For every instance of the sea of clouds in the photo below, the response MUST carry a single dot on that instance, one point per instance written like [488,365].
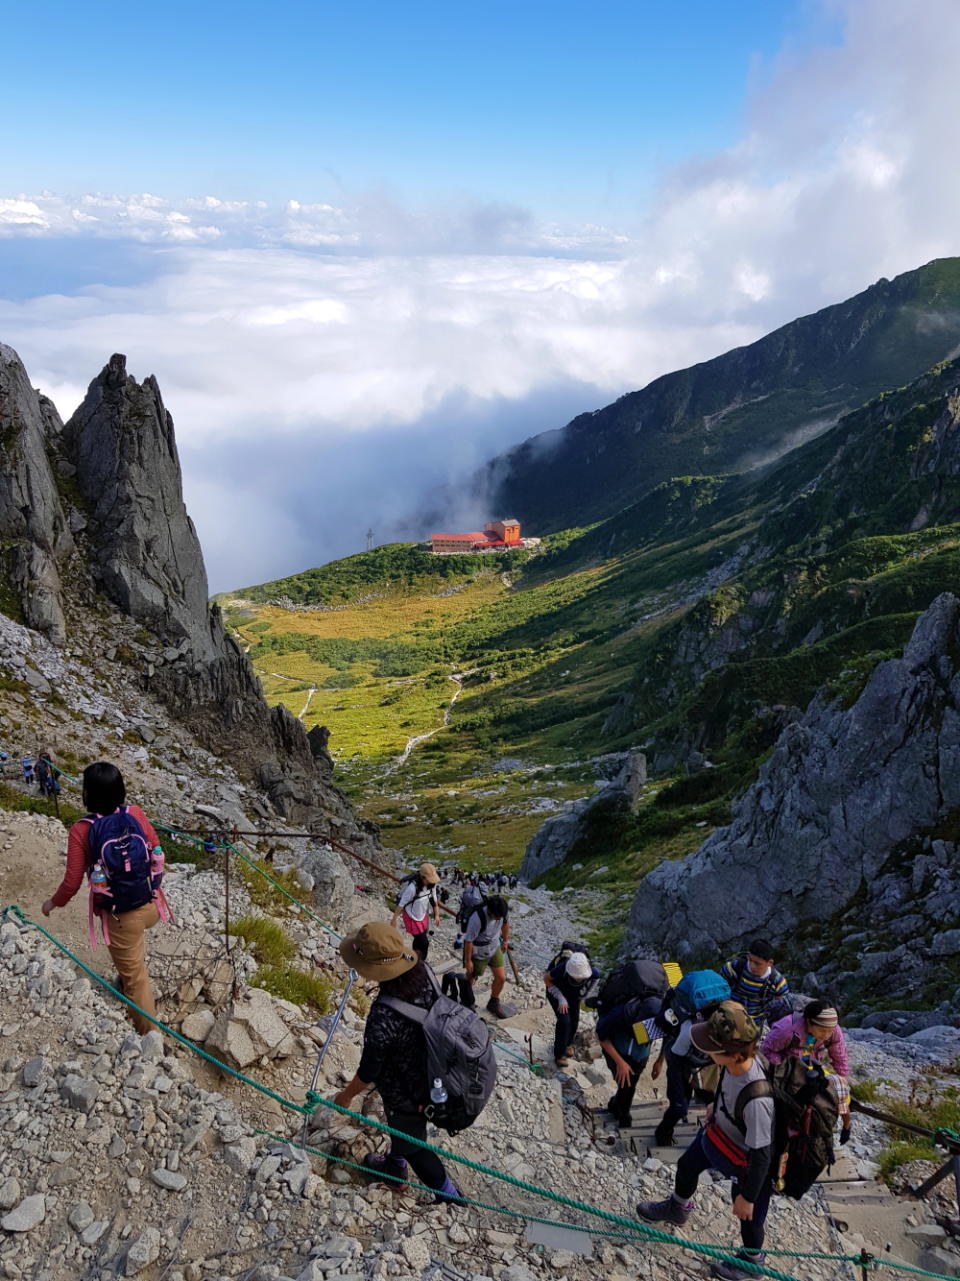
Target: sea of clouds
[333,368]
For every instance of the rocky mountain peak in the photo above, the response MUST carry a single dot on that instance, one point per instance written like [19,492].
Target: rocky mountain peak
[146,553]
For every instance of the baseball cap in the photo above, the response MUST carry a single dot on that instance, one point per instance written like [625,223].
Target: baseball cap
[728,1028]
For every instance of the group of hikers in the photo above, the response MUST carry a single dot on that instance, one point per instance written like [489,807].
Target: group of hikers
[36,770]
[487,880]
[775,1075]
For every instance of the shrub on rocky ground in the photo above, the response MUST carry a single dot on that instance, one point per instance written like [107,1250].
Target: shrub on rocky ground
[268,941]
[313,991]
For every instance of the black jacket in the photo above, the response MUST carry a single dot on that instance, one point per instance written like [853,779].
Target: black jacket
[395,1052]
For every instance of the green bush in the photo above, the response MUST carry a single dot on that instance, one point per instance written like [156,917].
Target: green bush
[312,991]
[262,893]
[267,940]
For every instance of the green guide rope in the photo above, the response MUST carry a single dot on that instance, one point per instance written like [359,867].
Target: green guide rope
[313,1101]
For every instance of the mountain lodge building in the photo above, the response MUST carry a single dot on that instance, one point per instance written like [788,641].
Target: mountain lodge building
[497,535]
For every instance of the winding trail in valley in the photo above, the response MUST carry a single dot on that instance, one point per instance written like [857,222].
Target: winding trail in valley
[404,756]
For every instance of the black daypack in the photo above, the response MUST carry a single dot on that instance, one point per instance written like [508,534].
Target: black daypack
[458,1052]
[642,978]
[805,1117]
[458,987]
[567,949]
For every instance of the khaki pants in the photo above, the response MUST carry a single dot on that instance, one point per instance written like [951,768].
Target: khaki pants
[129,956]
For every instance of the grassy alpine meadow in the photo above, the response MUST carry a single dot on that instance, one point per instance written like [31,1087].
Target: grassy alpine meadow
[698,621]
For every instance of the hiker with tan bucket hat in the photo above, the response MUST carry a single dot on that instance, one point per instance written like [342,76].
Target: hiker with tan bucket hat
[418,894]
[394,1058]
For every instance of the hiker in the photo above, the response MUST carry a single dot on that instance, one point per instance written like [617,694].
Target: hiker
[41,772]
[754,983]
[692,1001]
[485,941]
[741,1152]
[26,768]
[812,1036]
[417,896]
[394,1058]
[567,983]
[135,905]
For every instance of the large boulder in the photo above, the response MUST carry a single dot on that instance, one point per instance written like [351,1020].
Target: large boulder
[842,789]
[250,1028]
[552,842]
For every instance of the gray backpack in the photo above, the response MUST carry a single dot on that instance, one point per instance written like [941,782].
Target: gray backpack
[458,1052]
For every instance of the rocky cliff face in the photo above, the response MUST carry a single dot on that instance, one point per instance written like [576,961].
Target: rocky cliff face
[844,788]
[35,536]
[103,494]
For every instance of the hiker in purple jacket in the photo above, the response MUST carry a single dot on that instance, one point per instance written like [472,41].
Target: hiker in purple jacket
[815,1035]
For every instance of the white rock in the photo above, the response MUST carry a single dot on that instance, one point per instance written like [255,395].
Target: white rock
[29,1213]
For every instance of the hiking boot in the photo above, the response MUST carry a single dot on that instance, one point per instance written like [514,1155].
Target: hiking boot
[570,1051]
[382,1165]
[663,1136]
[731,1272]
[669,1211]
[496,1009]
[449,1194]
[562,1062]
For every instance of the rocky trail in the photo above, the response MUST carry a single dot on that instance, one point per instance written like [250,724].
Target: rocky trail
[131,1156]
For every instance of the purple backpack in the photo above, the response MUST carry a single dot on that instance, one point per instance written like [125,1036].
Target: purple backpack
[124,873]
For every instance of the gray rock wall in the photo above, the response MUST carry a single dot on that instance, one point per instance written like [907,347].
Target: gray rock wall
[842,788]
[35,535]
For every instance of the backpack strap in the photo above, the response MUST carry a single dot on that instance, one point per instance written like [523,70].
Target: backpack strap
[755,1090]
[416,1013]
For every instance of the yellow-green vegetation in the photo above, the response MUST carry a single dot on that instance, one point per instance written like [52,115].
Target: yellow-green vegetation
[312,991]
[262,893]
[12,798]
[268,941]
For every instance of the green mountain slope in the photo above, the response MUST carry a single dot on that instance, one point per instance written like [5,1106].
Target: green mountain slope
[737,409]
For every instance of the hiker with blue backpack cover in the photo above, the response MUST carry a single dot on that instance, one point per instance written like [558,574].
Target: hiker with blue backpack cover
[693,999]
[117,850]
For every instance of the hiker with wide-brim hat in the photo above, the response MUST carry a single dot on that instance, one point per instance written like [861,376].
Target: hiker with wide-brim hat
[743,1152]
[418,895]
[394,1058]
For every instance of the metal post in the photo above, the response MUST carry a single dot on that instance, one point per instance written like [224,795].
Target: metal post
[226,888]
[864,1262]
[352,977]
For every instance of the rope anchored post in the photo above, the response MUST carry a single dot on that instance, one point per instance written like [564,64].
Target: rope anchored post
[864,1261]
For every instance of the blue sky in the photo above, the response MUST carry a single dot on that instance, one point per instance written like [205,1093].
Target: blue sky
[567,108]
[365,248]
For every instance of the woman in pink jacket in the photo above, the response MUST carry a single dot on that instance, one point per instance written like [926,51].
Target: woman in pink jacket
[815,1036]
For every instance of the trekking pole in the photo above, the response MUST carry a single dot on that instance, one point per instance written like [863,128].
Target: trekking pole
[513,966]
[352,977]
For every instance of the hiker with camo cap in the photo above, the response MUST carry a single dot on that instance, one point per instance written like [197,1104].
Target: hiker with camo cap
[737,1142]
[394,1058]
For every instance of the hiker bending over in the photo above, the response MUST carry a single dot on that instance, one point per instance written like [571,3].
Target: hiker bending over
[813,1036]
[754,982]
[692,1001]
[394,1057]
[417,897]
[485,940]
[126,896]
[568,981]
[625,1034]
[736,1142]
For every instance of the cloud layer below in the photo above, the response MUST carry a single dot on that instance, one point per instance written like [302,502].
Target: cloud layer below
[329,367]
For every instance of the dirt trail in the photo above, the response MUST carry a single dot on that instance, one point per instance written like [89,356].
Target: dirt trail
[422,738]
[32,863]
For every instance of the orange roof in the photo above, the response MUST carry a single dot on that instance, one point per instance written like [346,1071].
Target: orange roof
[456,538]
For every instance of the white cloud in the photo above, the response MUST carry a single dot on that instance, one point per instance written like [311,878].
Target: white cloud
[349,356]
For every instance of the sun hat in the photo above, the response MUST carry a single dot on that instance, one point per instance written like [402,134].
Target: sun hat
[729,1028]
[378,951]
[578,966]
[428,874]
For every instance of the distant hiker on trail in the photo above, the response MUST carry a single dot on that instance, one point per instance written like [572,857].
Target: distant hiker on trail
[394,1057]
[47,775]
[26,766]
[471,897]
[417,897]
[568,982]
[742,1152]
[815,1035]
[118,851]
[692,1001]
[485,941]
[754,982]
